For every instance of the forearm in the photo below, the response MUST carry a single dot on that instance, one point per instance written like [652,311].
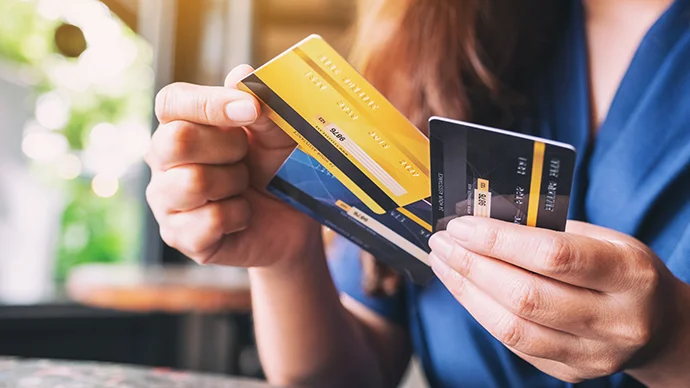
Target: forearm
[305,335]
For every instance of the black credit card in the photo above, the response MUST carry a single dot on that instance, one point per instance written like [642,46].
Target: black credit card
[488,172]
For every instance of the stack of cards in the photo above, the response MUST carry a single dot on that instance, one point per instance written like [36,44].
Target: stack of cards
[362,169]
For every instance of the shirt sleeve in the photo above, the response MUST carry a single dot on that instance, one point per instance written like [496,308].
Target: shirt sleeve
[346,270]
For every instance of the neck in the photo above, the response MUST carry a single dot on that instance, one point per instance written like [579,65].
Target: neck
[622,9]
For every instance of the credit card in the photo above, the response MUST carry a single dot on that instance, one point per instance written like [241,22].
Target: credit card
[343,122]
[488,172]
[399,238]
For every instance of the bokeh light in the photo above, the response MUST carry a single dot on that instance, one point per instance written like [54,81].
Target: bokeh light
[69,167]
[136,137]
[44,147]
[52,111]
[105,185]
[115,149]
[103,136]
[67,76]
[50,9]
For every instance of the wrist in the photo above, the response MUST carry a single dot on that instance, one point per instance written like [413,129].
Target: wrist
[668,365]
[299,254]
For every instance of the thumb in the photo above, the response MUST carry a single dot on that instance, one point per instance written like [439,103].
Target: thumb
[269,145]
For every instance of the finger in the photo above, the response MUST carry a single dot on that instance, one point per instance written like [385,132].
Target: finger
[271,146]
[207,105]
[236,75]
[530,296]
[513,331]
[197,231]
[191,186]
[263,123]
[180,142]
[575,259]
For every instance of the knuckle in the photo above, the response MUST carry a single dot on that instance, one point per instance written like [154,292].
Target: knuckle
[193,180]
[607,366]
[155,201]
[642,335]
[527,300]
[150,194]
[215,218]
[193,248]
[589,320]
[556,256]
[168,237]
[492,239]
[638,334]
[203,259]
[456,284]
[150,157]
[511,331]
[207,232]
[179,139]
[181,132]
[464,261]
[648,277]
[209,109]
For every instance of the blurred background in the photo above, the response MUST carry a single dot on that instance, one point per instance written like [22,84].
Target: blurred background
[83,273]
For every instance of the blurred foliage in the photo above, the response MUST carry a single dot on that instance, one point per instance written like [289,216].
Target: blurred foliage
[93,229]
[24,36]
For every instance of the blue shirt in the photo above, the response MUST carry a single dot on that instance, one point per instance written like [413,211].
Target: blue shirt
[634,178]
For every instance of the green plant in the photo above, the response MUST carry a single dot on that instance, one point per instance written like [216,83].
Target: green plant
[90,127]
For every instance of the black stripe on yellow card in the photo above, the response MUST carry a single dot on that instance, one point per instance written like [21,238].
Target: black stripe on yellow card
[294,119]
[362,111]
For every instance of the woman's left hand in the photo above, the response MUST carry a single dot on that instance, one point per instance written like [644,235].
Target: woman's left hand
[577,305]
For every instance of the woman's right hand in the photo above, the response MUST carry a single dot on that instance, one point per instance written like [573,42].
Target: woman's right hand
[211,159]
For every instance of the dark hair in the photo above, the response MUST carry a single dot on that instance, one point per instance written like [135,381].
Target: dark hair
[462,59]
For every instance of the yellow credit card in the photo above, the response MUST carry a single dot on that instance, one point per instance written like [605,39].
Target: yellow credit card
[338,118]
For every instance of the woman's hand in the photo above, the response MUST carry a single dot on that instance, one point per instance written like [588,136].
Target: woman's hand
[577,305]
[211,159]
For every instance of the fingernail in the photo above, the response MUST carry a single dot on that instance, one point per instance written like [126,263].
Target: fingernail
[461,228]
[441,244]
[241,112]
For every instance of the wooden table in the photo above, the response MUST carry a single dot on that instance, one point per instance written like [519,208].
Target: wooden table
[214,302]
[16,373]
[175,289]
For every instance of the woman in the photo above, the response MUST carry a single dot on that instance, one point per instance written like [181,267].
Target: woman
[606,302]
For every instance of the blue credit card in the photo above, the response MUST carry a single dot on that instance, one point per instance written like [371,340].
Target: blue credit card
[488,172]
